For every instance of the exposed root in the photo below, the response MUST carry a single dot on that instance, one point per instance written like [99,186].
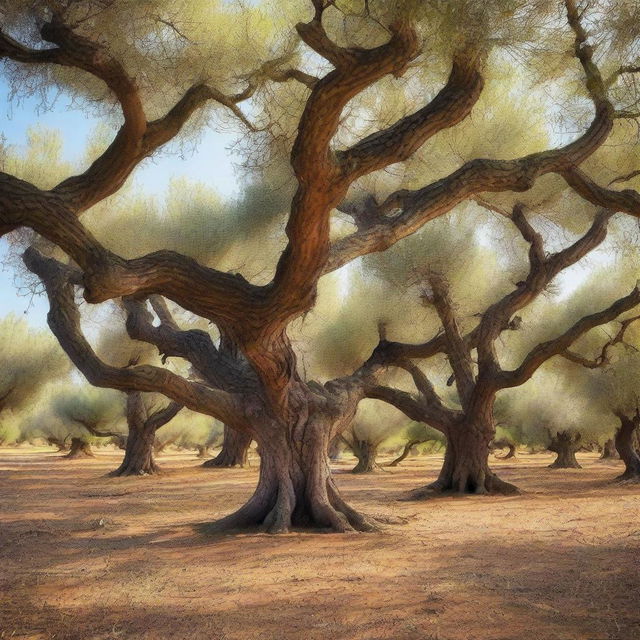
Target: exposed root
[131,470]
[564,465]
[280,511]
[627,478]
[491,484]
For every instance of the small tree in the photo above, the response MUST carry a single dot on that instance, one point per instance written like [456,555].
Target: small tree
[370,428]
[32,360]
[93,413]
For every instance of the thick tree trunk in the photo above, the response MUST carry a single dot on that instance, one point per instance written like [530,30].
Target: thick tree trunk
[625,445]
[80,449]
[295,487]
[565,444]
[609,451]
[138,455]
[366,452]
[466,463]
[234,452]
[405,452]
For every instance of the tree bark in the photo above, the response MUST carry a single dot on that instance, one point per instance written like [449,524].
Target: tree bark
[405,452]
[565,445]
[366,452]
[138,455]
[625,445]
[295,487]
[609,451]
[234,452]
[466,463]
[80,449]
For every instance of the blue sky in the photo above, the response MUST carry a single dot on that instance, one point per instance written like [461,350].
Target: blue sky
[211,162]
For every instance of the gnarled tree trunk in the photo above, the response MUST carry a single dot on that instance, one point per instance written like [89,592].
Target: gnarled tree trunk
[295,487]
[466,462]
[80,449]
[138,455]
[203,451]
[366,452]
[625,445]
[235,450]
[565,444]
[609,451]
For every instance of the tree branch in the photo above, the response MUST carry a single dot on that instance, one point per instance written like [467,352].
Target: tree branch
[64,321]
[456,349]
[543,352]
[602,359]
[400,141]
[542,270]
[160,417]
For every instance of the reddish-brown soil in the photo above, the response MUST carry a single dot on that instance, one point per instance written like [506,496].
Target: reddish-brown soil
[85,557]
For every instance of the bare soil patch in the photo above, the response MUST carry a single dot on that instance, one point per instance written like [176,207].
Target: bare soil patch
[86,557]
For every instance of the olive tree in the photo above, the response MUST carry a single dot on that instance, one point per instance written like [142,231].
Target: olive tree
[445,51]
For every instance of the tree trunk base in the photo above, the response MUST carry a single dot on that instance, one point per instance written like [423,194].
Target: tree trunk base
[279,513]
[234,452]
[133,469]
[79,449]
[628,478]
[562,462]
[493,485]
[363,467]
[296,491]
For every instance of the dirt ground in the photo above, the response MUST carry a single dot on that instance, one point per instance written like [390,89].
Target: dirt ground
[92,558]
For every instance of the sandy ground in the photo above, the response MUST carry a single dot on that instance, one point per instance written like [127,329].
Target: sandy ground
[92,558]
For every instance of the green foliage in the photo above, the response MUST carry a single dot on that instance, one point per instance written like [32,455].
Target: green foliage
[30,361]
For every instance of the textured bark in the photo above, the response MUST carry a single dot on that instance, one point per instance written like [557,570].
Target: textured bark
[626,448]
[366,452]
[79,449]
[565,444]
[234,452]
[609,451]
[295,487]
[466,463]
[138,457]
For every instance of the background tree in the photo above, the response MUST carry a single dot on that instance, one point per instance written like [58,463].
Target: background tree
[32,359]
[371,426]
[90,413]
[470,427]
